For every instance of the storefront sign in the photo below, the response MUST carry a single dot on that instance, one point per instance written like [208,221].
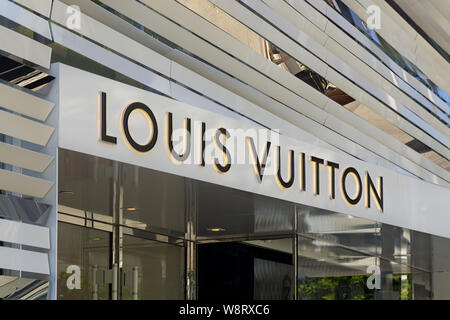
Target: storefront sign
[223,163]
[109,119]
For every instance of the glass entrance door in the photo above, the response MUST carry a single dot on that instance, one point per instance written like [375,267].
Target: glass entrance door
[245,245]
[121,231]
[84,254]
[149,269]
[252,270]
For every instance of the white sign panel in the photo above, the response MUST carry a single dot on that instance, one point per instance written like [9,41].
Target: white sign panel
[109,119]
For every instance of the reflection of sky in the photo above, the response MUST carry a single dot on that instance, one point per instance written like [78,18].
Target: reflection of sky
[406,64]
[444,96]
[374,36]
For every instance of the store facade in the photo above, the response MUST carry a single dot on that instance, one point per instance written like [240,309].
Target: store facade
[146,171]
[181,202]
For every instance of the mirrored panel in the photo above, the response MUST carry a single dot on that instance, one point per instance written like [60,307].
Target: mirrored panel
[84,259]
[22,288]
[327,271]
[225,212]
[114,192]
[152,270]
[255,270]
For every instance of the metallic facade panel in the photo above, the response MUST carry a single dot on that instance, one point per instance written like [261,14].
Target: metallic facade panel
[340,23]
[226,42]
[432,17]
[114,40]
[24,233]
[327,134]
[163,26]
[41,6]
[20,288]
[24,158]
[350,52]
[22,184]
[24,129]
[315,16]
[111,59]
[201,84]
[24,47]
[190,20]
[332,62]
[24,103]
[24,260]
[406,41]
[25,210]
[24,17]
[355,91]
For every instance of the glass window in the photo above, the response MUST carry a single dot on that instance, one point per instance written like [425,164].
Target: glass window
[257,270]
[151,200]
[83,259]
[152,270]
[223,211]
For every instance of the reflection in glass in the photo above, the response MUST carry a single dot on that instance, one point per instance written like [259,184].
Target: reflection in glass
[224,211]
[20,288]
[404,63]
[152,270]
[255,270]
[245,243]
[83,253]
[150,200]
[331,272]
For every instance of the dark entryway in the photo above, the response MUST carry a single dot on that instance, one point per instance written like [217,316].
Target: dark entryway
[243,271]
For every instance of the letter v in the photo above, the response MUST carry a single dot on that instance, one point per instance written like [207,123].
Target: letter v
[258,167]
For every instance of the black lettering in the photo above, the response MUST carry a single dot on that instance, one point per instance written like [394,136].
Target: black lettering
[347,198]
[257,165]
[370,189]
[186,140]
[152,122]
[332,166]
[279,179]
[103,135]
[226,154]
[316,162]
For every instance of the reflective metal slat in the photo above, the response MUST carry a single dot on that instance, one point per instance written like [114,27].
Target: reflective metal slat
[24,129]
[438,142]
[406,41]
[106,36]
[24,233]
[30,186]
[24,103]
[25,210]
[41,6]
[24,158]
[24,260]
[189,20]
[26,18]
[87,29]
[354,59]
[24,47]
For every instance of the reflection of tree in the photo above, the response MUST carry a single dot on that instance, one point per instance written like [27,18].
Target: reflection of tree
[65,294]
[335,288]
[346,288]
[85,293]
[405,291]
